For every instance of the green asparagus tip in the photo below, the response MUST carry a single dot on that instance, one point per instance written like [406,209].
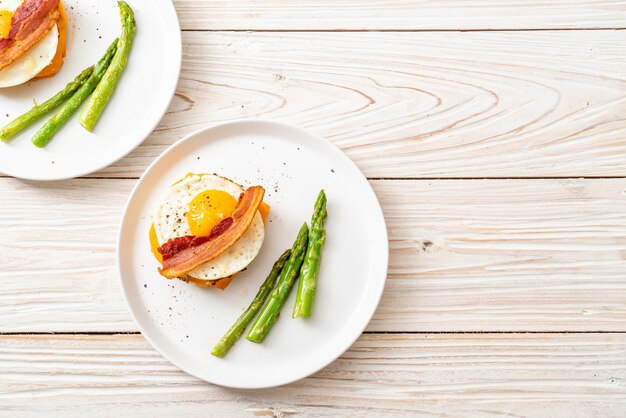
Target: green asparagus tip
[107,86]
[308,274]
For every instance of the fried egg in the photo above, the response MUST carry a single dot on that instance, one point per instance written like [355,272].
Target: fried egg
[194,206]
[47,54]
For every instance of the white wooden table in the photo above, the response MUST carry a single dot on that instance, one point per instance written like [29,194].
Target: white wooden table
[494,133]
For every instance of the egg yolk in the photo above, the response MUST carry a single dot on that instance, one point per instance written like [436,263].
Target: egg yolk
[5,23]
[208,209]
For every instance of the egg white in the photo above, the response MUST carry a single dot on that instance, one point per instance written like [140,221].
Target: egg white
[170,221]
[32,62]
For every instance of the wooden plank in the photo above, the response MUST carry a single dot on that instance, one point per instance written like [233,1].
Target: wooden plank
[480,104]
[481,255]
[381,375]
[399,14]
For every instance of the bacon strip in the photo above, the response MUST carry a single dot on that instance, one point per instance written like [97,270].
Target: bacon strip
[178,244]
[30,23]
[196,251]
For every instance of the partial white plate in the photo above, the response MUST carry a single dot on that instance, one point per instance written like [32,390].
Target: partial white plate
[183,321]
[140,101]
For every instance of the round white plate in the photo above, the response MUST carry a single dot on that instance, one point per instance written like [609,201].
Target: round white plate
[140,101]
[184,321]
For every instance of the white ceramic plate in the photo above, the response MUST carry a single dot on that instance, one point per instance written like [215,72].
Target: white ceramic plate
[140,101]
[184,321]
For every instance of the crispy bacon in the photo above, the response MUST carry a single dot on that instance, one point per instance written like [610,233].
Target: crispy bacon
[176,245]
[30,23]
[191,254]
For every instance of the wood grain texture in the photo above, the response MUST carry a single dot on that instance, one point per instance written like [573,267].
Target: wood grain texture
[473,255]
[399,14]
[381,375]
[481,255]
[417,105]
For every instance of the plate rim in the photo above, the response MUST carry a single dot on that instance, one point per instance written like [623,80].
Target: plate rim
[367,316]
[178,44]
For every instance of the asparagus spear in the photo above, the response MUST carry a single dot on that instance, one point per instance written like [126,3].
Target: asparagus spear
[106,88]
[269,314]
[37,112]
[233,334]
[311,264]
[45,134]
